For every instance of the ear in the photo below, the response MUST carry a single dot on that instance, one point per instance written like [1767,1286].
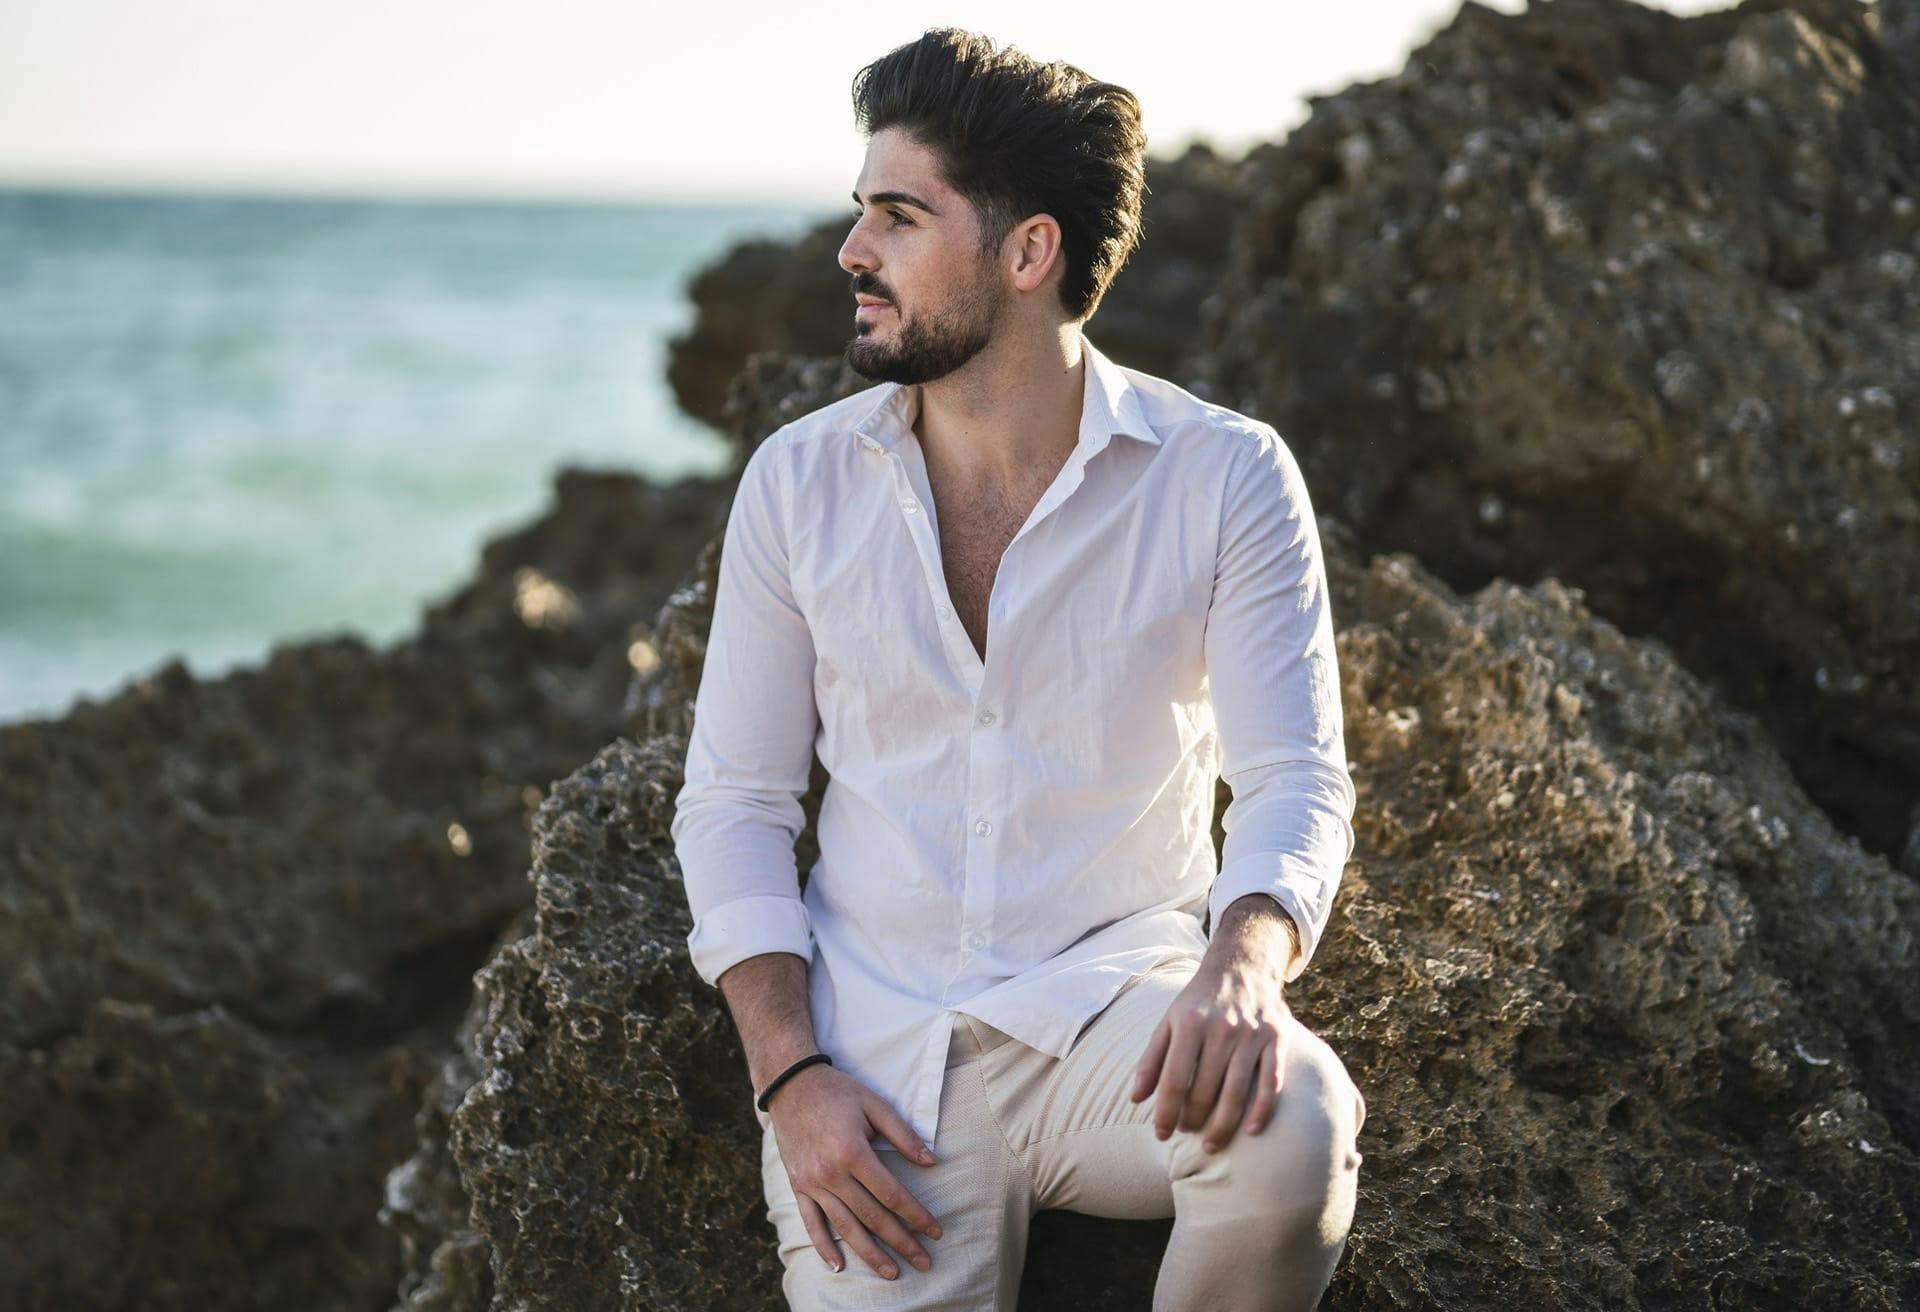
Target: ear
[1036,243]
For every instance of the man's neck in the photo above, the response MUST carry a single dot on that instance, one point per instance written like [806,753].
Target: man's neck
[1014,408]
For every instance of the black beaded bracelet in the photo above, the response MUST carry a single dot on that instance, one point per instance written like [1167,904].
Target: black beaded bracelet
[789,1073]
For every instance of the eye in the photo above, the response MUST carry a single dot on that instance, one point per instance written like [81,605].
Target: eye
[899,220]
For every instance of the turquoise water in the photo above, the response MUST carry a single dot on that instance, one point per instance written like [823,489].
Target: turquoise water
[227,422]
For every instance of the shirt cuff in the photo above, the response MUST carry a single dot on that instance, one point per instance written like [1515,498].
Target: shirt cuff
[1299,890]
[746,927]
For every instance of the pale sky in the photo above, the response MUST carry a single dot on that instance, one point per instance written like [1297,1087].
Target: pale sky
[596,98]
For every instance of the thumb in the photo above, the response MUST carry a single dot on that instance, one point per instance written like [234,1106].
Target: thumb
[901,1135]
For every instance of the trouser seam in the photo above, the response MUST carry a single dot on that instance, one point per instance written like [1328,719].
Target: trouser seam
[980,1073]
[1091,1129]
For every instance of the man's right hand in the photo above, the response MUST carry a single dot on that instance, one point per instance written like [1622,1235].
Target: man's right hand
[824,1121]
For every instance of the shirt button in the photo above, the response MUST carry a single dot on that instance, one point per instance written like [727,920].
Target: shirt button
[909,506]
[984,828]
[945,611]
[986,717]
[976,940]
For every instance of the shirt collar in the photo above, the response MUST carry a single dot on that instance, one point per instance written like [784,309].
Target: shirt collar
[1110,407]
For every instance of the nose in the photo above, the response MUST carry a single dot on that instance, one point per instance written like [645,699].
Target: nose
[853,254]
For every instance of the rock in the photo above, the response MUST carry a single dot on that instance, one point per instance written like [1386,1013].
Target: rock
[1638,1002]
[1632,1016]
[1633,301]
[240,917]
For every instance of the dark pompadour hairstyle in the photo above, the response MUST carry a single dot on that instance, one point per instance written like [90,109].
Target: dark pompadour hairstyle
[1017,138]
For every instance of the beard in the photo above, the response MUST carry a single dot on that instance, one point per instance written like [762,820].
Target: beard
[919,350]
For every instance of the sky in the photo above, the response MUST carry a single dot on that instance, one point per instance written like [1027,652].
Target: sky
[596,99]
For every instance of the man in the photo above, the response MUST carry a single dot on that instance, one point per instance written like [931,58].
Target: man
[1026,605]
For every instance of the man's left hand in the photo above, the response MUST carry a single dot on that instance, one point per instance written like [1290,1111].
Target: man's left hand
[1220,1049]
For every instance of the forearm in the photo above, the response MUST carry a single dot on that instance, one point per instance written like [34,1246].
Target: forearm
[767,995]
[1289,834]
[749,752]
[1274,670]
[1254,932]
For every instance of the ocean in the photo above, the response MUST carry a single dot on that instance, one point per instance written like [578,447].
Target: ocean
[229,421]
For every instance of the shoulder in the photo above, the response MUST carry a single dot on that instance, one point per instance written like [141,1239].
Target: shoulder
[811,461]
[1201,427]
[830,424]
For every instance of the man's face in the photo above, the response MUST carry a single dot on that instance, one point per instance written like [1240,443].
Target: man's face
[921,257]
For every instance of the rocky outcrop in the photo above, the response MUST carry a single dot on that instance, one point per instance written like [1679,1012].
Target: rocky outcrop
[793,298]
[240,917]
[1630,1012]
[1633,301]
[1639,1004]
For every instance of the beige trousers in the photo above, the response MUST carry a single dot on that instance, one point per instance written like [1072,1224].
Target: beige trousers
[1260,1224]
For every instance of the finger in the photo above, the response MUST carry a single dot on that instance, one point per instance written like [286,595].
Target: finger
[1175,1074]
[817,1230]
[1235,1089]
[1264,1089]
[893,1126]
[1148,1070]
[884,1185]
[882,1223]
[1216,1049]
[1280,1056]
[856,1237]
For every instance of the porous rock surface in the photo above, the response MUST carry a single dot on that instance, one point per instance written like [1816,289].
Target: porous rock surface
[239,918]
[1630,1013]
[1600,293]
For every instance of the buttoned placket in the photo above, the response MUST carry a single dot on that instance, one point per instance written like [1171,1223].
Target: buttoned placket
[981,876]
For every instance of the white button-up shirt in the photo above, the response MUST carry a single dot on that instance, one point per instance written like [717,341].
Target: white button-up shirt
[1013,838]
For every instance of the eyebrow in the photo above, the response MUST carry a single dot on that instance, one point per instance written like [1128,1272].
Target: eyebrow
[895,198]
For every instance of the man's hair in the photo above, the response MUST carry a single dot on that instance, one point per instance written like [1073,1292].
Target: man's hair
[1016,138]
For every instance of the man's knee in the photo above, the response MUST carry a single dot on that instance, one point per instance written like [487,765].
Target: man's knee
[1304,1160]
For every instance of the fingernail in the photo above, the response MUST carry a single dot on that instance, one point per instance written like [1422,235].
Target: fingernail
[1256,1127]
[933,1232]
[923,1263]
[1212,1145]
[889,1270]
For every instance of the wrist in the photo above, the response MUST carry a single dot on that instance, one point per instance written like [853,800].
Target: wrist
[771,1059]
[1257,922]
[1293,933]
[779,1082]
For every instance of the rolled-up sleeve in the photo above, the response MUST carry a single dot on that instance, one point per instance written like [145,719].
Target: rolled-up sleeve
[1274,674]
[750,749]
